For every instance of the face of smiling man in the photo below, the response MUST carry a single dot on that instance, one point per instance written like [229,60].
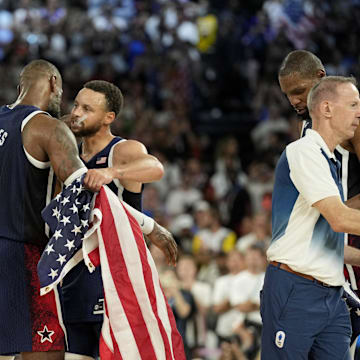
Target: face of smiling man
[88,113]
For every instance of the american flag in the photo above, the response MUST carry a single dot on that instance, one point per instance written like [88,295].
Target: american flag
[138,322]
[68,218]
[101,160]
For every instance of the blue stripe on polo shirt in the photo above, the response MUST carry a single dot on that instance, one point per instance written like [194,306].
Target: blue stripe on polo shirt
[335,168]
[284,197]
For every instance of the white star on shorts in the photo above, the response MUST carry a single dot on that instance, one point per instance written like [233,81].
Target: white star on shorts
[46,334]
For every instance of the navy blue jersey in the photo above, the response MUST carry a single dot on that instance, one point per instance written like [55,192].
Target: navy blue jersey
[350,171]
[25,183]
[307,124]
[350,175]
[82,291]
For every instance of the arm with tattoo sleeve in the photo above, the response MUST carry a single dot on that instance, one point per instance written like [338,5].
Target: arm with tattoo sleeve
[46,138]
[62,150]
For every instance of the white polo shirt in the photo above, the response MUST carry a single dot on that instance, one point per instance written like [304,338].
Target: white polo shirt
[307,172]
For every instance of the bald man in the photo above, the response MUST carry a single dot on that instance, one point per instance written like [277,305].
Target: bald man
[300,70]
[304,316]
[298,73]
[33,146]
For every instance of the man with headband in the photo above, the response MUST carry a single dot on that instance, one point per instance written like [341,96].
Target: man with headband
[96,106]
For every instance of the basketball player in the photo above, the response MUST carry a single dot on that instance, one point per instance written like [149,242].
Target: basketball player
[96,106]
[299,72]
[31,141]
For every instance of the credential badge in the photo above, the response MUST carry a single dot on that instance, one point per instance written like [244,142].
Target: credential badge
[280,339]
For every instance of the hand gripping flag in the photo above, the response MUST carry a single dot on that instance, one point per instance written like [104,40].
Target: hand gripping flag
[138,322]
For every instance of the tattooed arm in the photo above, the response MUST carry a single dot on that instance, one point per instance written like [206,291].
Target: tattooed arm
[48,139]
[157,234]
[163,239]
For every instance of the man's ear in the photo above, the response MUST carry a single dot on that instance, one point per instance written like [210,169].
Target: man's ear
[320,73]
[53,83]
[326,108]
[110,117]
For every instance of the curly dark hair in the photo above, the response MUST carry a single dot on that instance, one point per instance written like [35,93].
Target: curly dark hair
[113,95]
[301,61]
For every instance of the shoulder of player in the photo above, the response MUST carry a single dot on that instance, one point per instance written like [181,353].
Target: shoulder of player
[41,125]
[43,128]
[129,147]
[44,122]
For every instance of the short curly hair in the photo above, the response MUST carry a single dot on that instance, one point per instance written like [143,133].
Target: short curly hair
[301,61]
[114,97]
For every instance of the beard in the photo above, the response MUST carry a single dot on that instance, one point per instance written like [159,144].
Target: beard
[85,132]
[54,107]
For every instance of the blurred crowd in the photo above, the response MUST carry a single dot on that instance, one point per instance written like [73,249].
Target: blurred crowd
[201,92]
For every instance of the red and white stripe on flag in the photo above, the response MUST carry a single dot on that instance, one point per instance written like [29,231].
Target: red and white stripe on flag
[138,322]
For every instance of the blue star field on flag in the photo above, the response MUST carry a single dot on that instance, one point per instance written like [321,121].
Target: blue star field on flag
[67,216]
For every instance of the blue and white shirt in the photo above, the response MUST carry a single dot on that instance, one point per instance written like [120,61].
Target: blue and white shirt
[350,181]
[307,172]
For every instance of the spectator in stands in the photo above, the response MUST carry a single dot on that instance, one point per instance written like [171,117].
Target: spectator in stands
[226,316]
[245,298]
[181,302]
[186,270]
[260,233]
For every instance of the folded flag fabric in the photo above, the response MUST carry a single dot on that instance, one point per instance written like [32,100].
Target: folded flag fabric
[147,328]
[138,322]
[67,216]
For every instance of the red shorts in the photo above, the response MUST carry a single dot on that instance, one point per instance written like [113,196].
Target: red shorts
[29,322]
